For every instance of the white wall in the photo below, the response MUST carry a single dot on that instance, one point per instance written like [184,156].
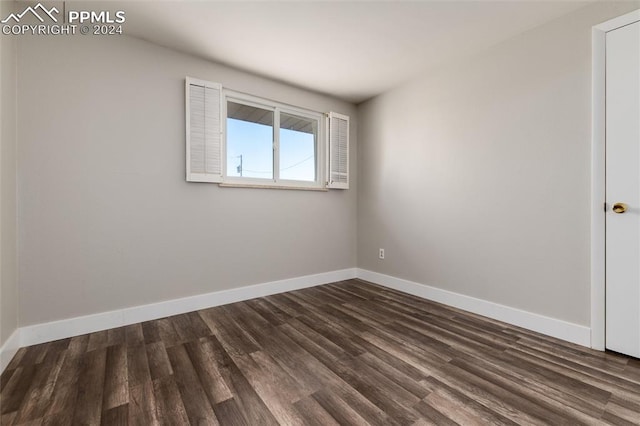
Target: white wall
[8,250]
[107,220]
[476,178]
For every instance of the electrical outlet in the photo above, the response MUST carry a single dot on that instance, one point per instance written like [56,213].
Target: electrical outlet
[381,253]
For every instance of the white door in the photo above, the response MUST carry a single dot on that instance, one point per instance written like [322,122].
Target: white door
[623,190]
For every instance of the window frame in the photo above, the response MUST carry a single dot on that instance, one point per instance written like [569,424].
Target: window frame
[321,143]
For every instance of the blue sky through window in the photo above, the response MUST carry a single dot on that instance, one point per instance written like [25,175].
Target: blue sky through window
[253,141]
[297,155]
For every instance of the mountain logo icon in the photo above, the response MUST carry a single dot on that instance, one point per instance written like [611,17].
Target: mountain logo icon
[34,11]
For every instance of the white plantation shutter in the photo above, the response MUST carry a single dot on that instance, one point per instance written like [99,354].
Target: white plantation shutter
[338,151]
[204,131]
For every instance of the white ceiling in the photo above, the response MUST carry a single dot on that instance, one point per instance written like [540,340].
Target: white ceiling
[352,50]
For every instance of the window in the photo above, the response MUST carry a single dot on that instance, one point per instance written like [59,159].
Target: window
[240,140]
[298,148]
[250,141]
[268,142]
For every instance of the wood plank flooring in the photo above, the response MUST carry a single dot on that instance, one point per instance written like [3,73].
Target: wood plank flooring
[348,353]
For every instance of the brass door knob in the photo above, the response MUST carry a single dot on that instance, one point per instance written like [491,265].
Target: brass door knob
[619,208]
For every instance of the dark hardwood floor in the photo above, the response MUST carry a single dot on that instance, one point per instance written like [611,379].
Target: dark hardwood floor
[344,353]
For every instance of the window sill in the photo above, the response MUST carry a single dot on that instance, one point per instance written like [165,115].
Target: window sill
[257,186]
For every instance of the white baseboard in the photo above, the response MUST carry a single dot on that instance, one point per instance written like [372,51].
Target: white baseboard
[46,332]
[560,329]
[9,349]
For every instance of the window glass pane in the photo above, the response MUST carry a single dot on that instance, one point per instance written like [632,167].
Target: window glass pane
[298,147]
[249,141]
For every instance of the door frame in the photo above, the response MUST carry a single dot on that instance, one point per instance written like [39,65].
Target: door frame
[598,176]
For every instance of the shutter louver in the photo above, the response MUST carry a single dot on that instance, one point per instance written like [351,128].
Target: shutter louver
[204,131]
[338,151]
